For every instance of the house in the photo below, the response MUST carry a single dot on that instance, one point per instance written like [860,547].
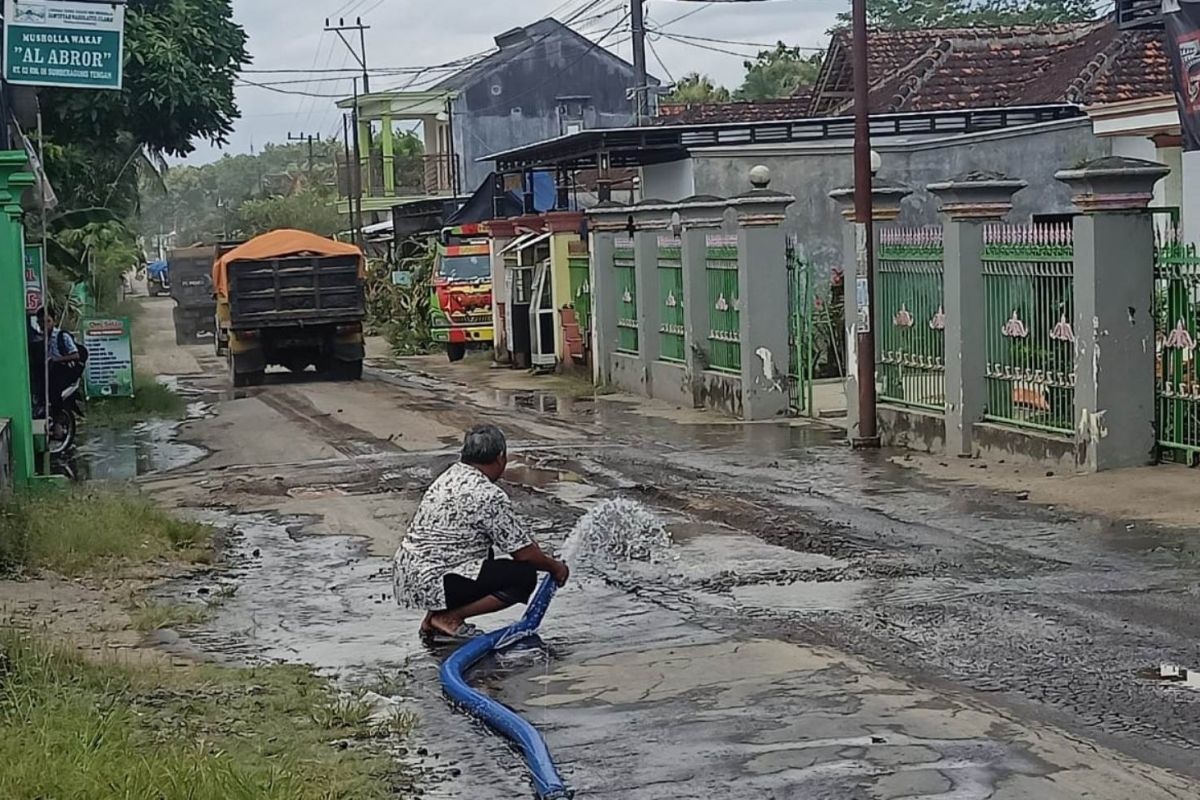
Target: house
[543,81]
[944,102]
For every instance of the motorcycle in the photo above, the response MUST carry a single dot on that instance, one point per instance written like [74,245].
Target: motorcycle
[65,412]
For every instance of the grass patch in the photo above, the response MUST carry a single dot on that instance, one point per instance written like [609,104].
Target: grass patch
[76,531]
[150,400]
[150,617]
[73,729]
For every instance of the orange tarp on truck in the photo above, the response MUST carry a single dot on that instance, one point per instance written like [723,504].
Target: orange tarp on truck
[283,243]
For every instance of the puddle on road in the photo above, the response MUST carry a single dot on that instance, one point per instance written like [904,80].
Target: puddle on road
[109,454]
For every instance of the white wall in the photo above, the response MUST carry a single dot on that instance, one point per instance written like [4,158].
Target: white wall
[1191,197]
[670,182]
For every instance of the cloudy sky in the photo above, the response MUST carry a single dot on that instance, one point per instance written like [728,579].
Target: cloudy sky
[288,35]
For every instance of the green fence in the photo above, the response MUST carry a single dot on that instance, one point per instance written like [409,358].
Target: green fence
[800,335]
[724,301]
[579,264]
[910,319]
[670,282]
[1176,302]
[1029,311]
[627,307]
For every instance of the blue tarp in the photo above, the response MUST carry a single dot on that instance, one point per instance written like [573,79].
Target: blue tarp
[157,268]
[481,206]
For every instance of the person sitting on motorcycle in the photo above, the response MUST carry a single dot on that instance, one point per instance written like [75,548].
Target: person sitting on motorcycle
[63,355]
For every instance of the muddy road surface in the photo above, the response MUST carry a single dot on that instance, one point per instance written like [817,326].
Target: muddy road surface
[827,626]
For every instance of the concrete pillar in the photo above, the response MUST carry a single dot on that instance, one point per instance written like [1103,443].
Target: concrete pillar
[651,219]
[763,285]
[15,401]
[885,203]
[968,204]
[1115,406]
[501,232]
[699,217]
[605,222]
[389,156]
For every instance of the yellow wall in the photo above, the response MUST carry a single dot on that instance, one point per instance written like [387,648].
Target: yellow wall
[560,272]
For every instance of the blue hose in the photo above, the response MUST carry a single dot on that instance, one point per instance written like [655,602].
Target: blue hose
[546,780]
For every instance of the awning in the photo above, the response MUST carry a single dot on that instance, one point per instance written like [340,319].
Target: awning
[537,239]
[517,242]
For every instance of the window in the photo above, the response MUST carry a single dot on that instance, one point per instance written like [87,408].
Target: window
[465,268]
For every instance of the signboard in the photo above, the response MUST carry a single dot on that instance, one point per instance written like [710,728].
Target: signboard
[33,277]
[863,298]
[402,278]
[64,43]
[1182,21]
[109,371]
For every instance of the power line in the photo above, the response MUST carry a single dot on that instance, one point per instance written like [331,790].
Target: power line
[691,13]
[708,47]
[658,58]
[673,35]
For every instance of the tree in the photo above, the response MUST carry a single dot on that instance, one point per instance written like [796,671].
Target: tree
[697,88]
[778,73]
[181,60]
[305,210]
[921,14]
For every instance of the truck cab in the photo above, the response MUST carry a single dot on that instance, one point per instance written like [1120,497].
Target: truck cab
[461,294]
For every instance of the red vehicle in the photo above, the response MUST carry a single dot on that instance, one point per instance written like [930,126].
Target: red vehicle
[461,299]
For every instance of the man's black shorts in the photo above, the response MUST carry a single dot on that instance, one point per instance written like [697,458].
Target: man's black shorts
[510,581]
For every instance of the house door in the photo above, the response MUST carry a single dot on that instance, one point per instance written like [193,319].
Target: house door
[541,316]
[520,295]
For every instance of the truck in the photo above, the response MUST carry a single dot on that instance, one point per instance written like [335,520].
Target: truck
[460,307]
[158,278]
[293,299]
[195,309]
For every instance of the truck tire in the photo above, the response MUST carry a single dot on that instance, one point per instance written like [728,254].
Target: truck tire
[456,351]
[347,370]
[240,380]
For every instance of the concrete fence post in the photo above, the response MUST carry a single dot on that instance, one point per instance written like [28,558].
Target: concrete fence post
[605,222]
[501,232]
[699,217]
[763,288]
[1115,405]
[968,204]
[885,203]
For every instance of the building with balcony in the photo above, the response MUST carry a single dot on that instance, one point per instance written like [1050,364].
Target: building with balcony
[543,80]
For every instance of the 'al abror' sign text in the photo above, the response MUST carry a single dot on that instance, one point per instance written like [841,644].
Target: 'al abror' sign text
[64,43]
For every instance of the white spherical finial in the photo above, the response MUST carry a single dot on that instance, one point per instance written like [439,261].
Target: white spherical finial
[760,177]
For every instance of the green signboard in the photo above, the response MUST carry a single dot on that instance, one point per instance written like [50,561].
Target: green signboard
[33,277]
[64,43]
[109,371]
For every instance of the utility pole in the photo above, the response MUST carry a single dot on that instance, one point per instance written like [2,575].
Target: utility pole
[359,53]
[864,235]
[351,165]
[357,173]
[637,18]
[308,138]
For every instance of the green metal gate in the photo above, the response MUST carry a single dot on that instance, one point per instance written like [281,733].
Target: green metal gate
[670,282]
[579,264]
[911,328]
[1177,387]
[627,299]
[800,338]
[724,305]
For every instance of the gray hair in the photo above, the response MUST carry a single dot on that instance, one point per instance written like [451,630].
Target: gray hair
[483,444]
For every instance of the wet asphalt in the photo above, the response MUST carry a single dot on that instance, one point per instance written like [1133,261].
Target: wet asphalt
[831,625]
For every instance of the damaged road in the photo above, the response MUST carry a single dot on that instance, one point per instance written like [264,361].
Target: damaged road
[830,626]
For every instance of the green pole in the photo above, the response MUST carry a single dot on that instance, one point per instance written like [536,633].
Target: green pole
[389,157]
[16,400]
